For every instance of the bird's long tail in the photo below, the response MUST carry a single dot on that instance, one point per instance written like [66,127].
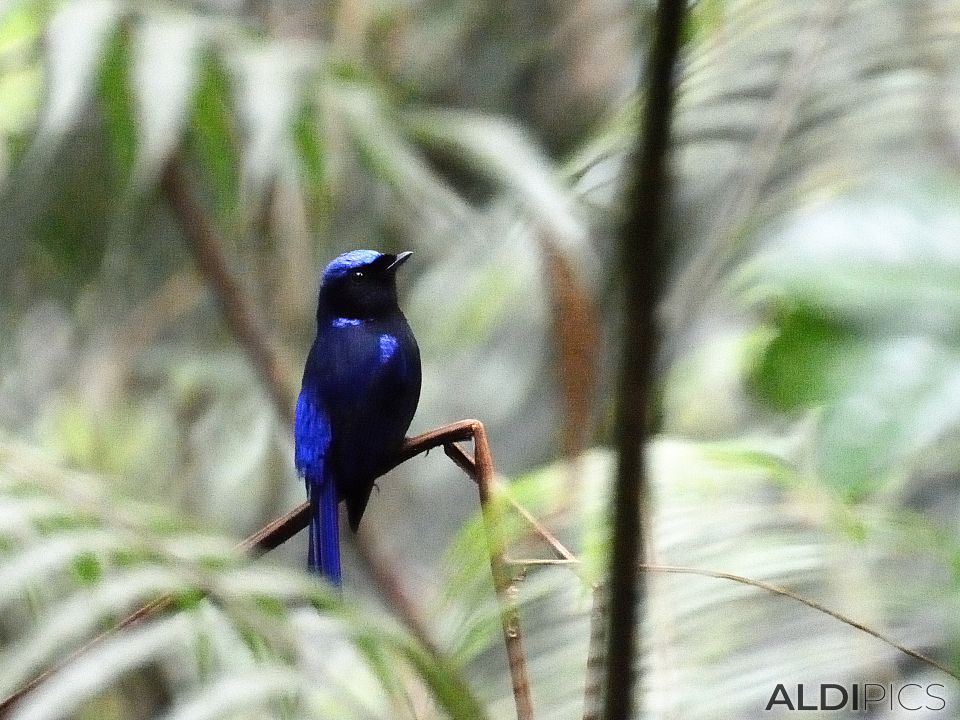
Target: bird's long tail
[323,555]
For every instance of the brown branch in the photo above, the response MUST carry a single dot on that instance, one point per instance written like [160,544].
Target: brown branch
[235,304]
[484,475]
[642,251]
[503,582]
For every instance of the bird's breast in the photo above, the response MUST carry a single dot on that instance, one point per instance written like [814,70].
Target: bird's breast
[351,354]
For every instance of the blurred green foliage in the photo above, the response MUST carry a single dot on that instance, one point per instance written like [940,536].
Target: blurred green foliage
[809,400]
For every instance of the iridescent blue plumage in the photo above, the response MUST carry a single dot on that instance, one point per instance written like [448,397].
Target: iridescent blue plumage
[361,384]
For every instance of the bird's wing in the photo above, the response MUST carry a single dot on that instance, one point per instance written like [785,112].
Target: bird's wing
[312,436]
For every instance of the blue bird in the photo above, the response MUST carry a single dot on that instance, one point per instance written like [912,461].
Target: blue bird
[361,385]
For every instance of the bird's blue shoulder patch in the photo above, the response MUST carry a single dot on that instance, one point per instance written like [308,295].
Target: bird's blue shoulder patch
[388,346]
[311,433]
[342,264]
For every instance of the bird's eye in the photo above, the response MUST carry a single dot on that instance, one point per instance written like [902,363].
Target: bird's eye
[358,274]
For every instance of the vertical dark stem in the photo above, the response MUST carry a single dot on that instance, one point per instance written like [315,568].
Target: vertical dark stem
[642,262]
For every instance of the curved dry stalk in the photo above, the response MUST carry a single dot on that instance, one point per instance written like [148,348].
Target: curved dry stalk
[596,625]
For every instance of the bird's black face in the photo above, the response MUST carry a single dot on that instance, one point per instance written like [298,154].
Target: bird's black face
[362,289]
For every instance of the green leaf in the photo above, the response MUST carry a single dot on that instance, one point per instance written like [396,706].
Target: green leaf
[20,82]
[506,154]
[20,25]
[88,568]
[703,20]
[902,400]
[213,136]
[804,363]
[188,598]
[241,642]
[310,152]
[75,39]
[19,98]
[270,605]
[116,94]
[64,520]
[450,692]
[865,297]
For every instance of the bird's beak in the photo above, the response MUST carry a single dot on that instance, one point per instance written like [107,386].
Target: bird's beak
[400,260]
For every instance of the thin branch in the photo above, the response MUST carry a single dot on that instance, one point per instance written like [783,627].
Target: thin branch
[160,605]
[525,563]
[561,551]
[290,523]
[646,567]
[643,240]
[235,304]
[465,462]
[503,581]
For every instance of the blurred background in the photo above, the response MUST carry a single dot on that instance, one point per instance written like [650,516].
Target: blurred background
[173,178]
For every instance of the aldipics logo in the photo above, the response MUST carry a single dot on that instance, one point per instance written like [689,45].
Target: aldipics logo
[857,696]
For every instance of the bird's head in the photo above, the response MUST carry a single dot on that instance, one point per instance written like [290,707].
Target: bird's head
[361,284]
